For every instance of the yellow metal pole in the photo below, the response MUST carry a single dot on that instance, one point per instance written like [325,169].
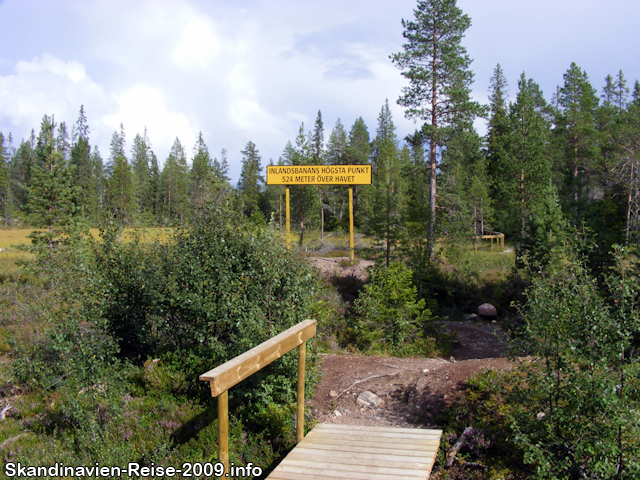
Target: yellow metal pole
[351,242]
[223,429]
[302,357]
[288,220]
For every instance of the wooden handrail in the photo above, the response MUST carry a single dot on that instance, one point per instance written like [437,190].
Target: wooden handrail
[230,373]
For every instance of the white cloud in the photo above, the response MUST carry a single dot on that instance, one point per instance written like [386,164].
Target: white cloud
[144,106]
[47,85]
[197,46]
[244,107]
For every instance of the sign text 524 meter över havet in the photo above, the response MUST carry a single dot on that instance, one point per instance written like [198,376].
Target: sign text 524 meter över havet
[319,175]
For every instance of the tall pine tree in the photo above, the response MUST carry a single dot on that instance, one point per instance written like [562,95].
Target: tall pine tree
[437,67]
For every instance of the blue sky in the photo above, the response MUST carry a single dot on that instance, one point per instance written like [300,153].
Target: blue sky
[254,70]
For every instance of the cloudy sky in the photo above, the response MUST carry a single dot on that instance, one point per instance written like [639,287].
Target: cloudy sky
[253,70]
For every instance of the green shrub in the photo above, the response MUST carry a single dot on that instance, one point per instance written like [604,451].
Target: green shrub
[387,312]
[577,409]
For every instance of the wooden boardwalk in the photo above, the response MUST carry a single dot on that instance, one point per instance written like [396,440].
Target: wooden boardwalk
[366,453]
[328,451]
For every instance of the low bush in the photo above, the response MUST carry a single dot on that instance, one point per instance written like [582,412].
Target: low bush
[387,315]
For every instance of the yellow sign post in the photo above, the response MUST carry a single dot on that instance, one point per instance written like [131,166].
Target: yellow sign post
[320,175]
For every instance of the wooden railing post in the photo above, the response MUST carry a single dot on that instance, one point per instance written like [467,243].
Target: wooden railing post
[302,356]
[223,429]
[230,373]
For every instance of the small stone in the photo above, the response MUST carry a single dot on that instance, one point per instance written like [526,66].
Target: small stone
[333,394]
[337,413]
[494,321]
[425,370]
[369,399]
[452,359]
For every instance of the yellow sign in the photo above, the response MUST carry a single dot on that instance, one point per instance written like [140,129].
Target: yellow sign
[319,175]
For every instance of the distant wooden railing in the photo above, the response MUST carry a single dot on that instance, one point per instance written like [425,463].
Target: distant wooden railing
[497,235]
[225,376]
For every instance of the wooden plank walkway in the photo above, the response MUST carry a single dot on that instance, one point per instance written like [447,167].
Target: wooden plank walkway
[357,452]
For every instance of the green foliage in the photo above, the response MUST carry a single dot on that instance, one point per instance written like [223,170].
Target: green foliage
[251,181]
[387,312]
[576,414]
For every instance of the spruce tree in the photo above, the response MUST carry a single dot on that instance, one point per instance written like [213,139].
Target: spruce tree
[5,190]
[251,180]
[575,125]
[305,201]
[529,170]
[174,179]
[437,67]
[385,207]
[357,153]
[51,195]
[20,171]
[84,179]
[498,143]
[336,195]
[140,157]
[221,186]
[318,157]
[120,194]
[415,246]
[201,174]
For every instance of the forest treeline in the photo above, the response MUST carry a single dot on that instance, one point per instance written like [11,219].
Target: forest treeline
[573,158]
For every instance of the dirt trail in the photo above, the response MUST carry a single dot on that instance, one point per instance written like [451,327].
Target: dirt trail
[413,390]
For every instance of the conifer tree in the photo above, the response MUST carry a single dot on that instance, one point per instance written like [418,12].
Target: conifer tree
[51,195]
[5,190]
[84,179]
[251,180]
[174,180]
[221,186]
[305,201]
[498,142]
[437,67]
[336,195]
[575,125]
[120,194]
[201,174]
[385,208]
[101,183]
[21,166]
[318,157]
[140,157]
[415,246]
[529,171]
[357,152]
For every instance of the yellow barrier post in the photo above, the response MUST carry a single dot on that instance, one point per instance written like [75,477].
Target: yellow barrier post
[288,219]
[351,242]
[302,356]
[223,429]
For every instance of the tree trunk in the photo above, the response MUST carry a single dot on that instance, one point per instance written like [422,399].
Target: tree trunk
[626,237]
[575,177]
[301,216]
[432,154]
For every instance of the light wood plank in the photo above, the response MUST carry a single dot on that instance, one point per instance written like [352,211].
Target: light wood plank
[362,428]
[388,435]
[353,468]
[237,369]
[375,450]
[381,460]
[295,473]
[426,457]
[371,441]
